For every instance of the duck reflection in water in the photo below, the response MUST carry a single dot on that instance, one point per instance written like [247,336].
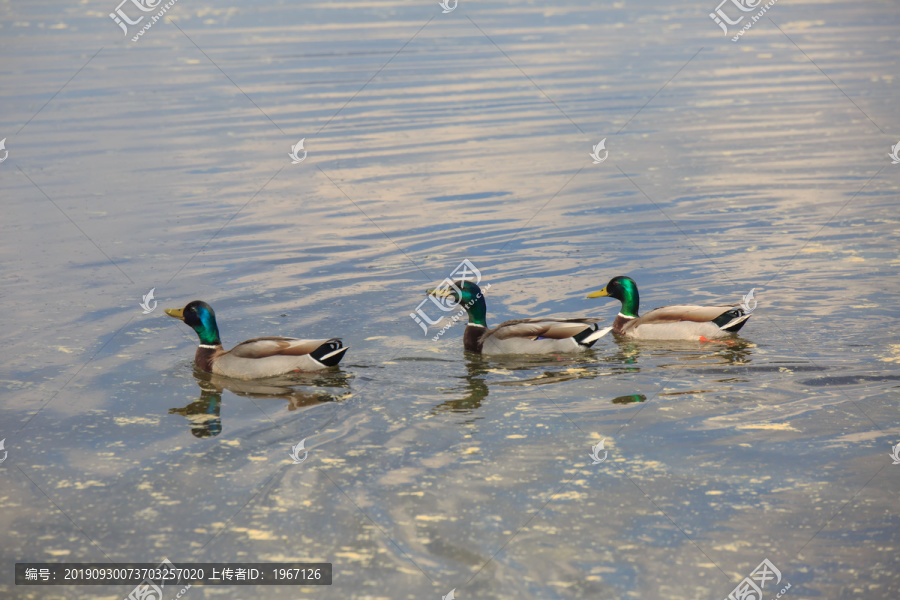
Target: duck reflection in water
[629,399]
[203,413]
[729,352]
[475,388]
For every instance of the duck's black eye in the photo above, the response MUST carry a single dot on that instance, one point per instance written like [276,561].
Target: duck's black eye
[192,316]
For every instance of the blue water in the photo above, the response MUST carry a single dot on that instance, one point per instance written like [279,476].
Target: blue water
[432,138]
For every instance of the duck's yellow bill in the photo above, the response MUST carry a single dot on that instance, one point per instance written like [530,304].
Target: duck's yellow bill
[599,294]
[438,292]
[178,313]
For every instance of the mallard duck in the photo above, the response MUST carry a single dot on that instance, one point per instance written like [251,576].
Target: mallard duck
[256,358]
[520,336]
[677,322]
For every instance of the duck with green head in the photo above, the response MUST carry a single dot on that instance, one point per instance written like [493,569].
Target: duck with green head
[256,358]
[521,336]
[676,322]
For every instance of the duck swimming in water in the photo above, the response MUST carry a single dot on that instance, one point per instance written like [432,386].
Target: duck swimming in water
[256,358]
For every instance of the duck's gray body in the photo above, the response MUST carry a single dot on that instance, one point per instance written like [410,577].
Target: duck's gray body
[270,356]
[534,336]
[682,322]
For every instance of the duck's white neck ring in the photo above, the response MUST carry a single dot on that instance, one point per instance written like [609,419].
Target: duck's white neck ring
[207,346]
[625,316]
[475,325]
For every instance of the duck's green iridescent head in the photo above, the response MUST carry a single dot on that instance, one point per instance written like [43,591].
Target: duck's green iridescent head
[623,289]
[201,317]
[468,296]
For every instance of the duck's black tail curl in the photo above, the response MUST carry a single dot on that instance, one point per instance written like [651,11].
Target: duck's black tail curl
[591,334]
[732,320]
[330,353]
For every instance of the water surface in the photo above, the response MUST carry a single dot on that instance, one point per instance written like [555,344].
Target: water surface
[163,164]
